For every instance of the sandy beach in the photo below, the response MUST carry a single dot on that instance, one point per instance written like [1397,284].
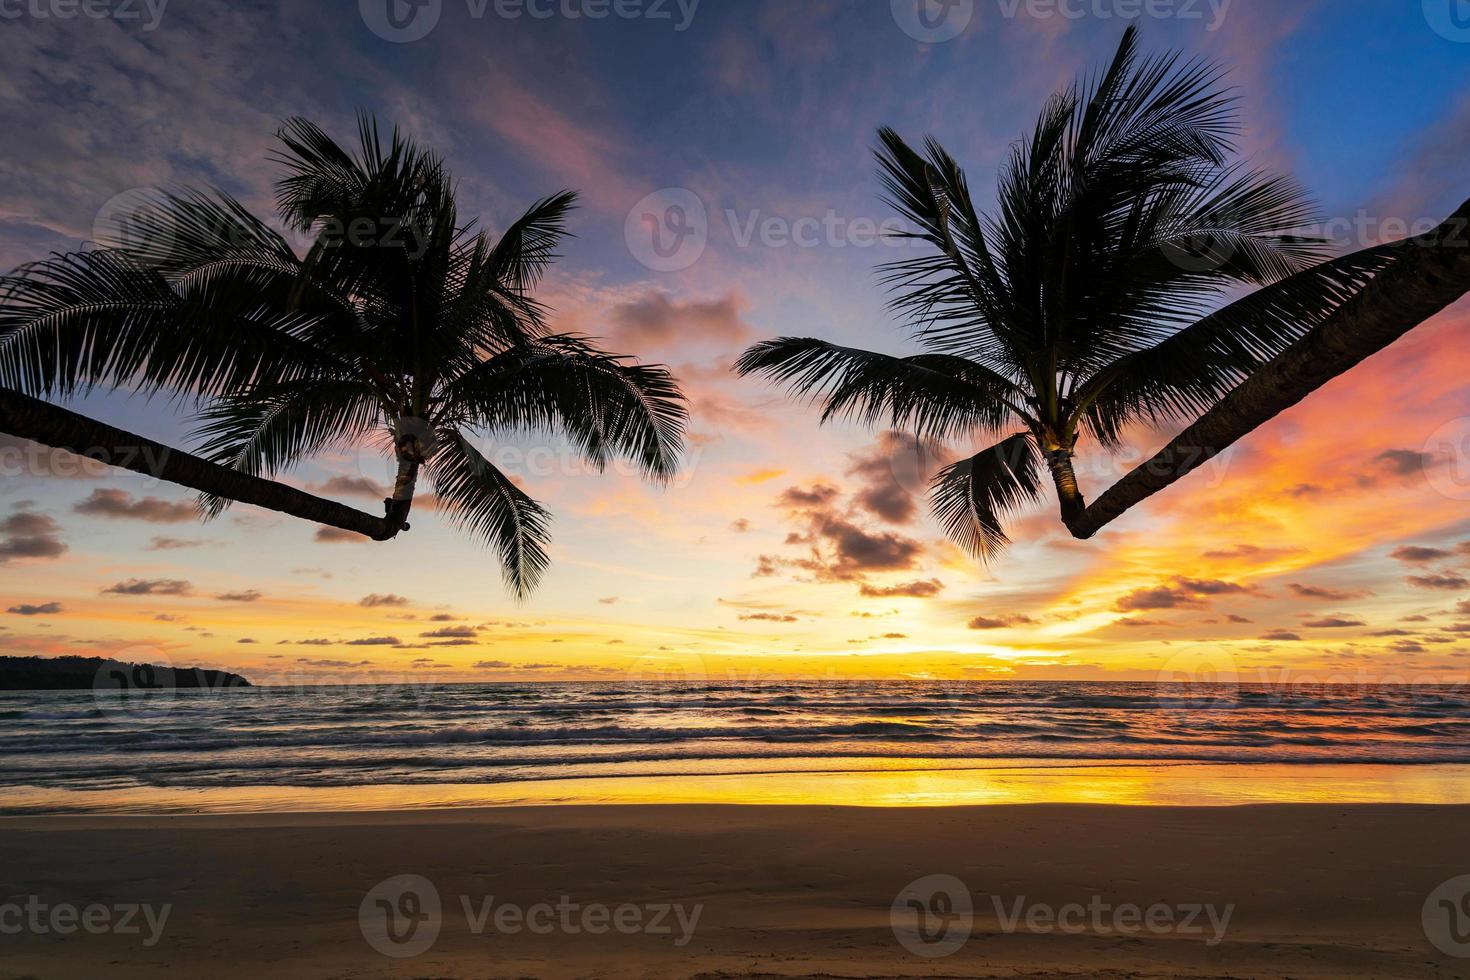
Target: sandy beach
[728,891]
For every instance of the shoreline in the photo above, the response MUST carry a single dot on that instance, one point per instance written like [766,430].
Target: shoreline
[898,783]
[1308,891]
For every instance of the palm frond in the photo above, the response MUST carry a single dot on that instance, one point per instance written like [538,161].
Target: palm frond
[971,497]
[1245,227]
[103,318]
[1149,111]
[384,218]
[266,429]
[483,500]
[1188,372]
[520,256]
[956,295]
[178,231]
[933,395]
[323,180]
[608,405]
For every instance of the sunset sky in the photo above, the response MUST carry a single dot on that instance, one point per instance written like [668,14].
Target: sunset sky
[1332,544]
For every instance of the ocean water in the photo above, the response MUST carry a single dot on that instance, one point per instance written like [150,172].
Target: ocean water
[58,743]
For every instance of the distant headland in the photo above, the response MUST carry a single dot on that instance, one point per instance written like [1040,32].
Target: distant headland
[88,673]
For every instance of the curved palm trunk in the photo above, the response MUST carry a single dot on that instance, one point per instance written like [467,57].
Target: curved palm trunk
[1433,273]
[50,425]
[398,505]
[1064,478]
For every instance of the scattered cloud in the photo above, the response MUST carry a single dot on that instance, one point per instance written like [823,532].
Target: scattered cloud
[1444,582]
[658,321]
[175,544]
[375,600]
[350,486]
[1322,592]
[1000,622]
[918,589]
[816,495]
[1403,462]
[117,504]
[26,534]
[154,586]
[43,609]
[1184,592]
[887,470]
[1418,555]
[451,633]
[335,535]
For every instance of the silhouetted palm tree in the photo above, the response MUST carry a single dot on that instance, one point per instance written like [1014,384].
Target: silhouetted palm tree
[1081,305]
[399,320]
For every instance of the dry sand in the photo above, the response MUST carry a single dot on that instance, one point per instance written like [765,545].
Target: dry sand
[1314,891]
